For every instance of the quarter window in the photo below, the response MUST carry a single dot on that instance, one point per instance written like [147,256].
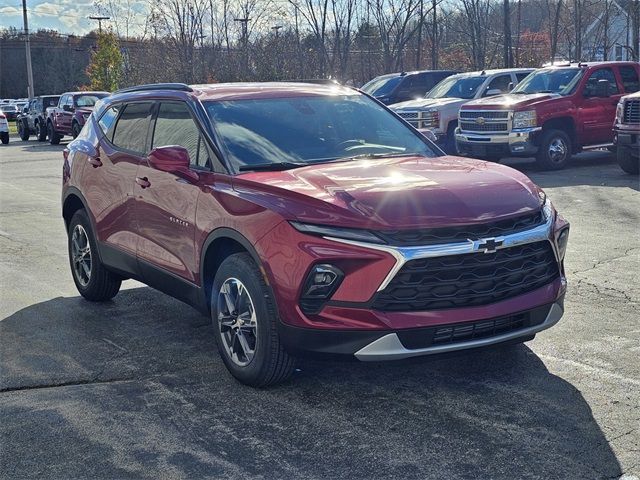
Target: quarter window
[131,128]
[107,121]
[629,79]
[175,126]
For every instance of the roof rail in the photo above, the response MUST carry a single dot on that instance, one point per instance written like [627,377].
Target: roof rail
[156,86]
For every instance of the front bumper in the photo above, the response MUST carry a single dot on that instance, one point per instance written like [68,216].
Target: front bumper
[369,346]
[515,143]
[629,140]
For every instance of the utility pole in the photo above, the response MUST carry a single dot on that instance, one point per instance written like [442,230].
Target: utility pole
[508,62]
[99,18]
[27,47]
[244,21]
[434,40]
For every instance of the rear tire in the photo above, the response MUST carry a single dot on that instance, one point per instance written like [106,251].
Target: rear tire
[54,137]
[554,151]
[41,132]
[627,162]
[92,279]
[245,322]
[4,138]
[23,130]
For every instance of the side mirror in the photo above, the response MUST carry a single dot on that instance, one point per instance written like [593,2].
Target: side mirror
[603,88]
[428,133]
[67,108]
[172,159]
[493,92]
[510,86]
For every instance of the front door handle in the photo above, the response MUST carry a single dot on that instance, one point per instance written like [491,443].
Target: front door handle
[143,182]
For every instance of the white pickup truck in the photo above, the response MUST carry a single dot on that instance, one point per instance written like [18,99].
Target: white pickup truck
[438,110]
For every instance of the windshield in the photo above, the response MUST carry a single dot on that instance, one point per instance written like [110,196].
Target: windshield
[457,87]
[381,86]
[304,130]
[556,80]
[88,100]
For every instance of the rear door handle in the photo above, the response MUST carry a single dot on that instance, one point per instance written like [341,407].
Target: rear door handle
[143,182]
[95,161]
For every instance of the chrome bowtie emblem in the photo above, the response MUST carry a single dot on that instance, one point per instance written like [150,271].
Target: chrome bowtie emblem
[480,120]
[489,245]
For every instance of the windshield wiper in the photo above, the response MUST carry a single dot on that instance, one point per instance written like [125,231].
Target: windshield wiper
[274,166]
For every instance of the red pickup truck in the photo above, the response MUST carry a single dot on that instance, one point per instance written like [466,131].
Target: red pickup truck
[69,116]
[553,113]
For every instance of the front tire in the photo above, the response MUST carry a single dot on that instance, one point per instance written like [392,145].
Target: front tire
[627,162]
[41,132]
[245,323]
[554,151]
[92,279]
[4,137]
[75,130]
[54,137]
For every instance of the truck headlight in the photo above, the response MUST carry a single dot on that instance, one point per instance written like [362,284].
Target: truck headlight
[619,111]
[524,119]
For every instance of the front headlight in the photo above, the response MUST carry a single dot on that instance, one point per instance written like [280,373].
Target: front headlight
[619,111]
[525,119]
[356,234]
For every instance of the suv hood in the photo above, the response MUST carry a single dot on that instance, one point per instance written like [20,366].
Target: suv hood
[511,101]
[427,103]
[407,192]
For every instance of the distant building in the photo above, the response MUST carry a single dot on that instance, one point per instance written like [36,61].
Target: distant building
[610,35]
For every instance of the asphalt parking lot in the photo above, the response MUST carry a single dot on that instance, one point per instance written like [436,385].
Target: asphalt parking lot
[134,388]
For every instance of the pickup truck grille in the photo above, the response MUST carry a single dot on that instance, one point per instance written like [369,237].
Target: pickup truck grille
[631,112]
[434,236]
[469,280]
[420,119]
[484,121]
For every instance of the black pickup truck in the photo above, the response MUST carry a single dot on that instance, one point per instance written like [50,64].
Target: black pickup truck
[33,120]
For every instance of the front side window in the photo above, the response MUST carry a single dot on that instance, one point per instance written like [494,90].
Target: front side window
[310,129]
[175,126]
[501,82]
[550,80]
[131,128]
[521,76]
[457,87]
[591,87]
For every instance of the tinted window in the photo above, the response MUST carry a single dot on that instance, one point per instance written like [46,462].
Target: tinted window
[601,74]
[630,80]
[501,82]
[131,129]
[107,121]
[175,126]
[382,86]
[521,76]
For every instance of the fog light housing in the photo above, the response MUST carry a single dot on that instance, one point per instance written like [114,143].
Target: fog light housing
[562,241]
[321,282]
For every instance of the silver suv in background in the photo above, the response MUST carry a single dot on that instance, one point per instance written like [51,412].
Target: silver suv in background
[438,110]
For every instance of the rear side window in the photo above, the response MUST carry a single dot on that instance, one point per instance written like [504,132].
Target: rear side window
[131,128]
[175,126]
[108,119]
[629,77]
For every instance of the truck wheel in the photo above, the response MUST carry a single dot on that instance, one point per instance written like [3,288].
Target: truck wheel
[41,132]
[245,322]
[4,137]
[449,145]
[554,151]
[627,162]
[23,130]
[54,138]
[75,130]
[92,279]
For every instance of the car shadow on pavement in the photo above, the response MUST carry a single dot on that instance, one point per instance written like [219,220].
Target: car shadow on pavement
[135,388]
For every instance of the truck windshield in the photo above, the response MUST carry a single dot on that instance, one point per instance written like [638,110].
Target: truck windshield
[557,80]
[457,87]
[88,100]
[381,86]
[313,129]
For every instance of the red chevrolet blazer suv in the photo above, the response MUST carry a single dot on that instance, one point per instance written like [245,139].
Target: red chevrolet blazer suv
[307,218]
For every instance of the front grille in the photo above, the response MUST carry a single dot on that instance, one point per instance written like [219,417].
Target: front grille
[472,115]
[485,127]
[416,338]
[631,112]
[462,233]
[469,280]
[420,119]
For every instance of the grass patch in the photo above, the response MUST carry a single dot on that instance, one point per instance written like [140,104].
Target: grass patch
[13,129]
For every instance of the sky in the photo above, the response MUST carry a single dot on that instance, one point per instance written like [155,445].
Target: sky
[66,16]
